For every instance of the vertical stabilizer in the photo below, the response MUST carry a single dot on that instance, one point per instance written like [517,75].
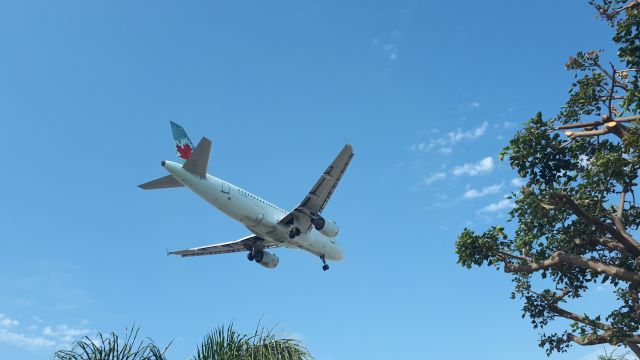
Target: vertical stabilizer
[184,146]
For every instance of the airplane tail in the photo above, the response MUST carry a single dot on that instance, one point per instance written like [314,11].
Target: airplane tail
[184,146]
[194,160]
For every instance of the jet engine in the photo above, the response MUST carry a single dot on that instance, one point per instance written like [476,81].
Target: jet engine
[326,227]
[267,259]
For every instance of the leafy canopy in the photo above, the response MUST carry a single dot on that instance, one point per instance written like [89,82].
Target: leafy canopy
[576,217]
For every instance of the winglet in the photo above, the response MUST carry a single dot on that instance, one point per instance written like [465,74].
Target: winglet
[199,159]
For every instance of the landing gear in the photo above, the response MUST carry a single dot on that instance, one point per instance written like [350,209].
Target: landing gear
[325,267]
[293,232]
[256,255]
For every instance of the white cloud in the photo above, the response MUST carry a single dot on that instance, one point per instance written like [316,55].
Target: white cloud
[517,182]
[22,340]
[7,322]
[474,104]
[29,336]
[445,144]
[483,166]
[497,206]
[428,180]
[459,135]
[65,333]
[473,193]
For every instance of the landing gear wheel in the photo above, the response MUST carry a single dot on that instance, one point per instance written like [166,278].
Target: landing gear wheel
[258,255]
[250,256]
[293,232]
[325,267]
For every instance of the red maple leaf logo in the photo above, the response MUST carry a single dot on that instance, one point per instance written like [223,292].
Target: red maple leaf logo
[184,152]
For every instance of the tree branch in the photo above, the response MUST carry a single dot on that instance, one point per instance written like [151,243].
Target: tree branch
[579,318]
[611,127]
[603,241]
[562,258]
[599,123]
[629,244]
[595,339]
[634,348]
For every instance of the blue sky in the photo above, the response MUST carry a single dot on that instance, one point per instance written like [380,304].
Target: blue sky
[427,92]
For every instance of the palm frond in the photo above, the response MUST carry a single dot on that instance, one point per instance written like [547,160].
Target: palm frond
[112,347]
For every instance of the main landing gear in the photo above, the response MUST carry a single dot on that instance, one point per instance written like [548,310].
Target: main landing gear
[294,231]
[325,267]
[256,255]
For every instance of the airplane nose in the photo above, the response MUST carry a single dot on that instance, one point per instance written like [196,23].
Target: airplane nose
[162,163]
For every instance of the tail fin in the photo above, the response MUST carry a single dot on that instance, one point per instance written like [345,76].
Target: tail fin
[198,163]
[184,146]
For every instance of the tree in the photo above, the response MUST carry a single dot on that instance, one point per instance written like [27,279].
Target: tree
[112,347]
[223,343]
[227,344]
[576,218]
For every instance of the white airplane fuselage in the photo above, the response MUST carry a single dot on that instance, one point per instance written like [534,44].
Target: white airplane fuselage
[258,215]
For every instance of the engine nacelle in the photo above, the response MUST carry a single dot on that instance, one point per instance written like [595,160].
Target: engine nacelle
[268,260]
[326,227]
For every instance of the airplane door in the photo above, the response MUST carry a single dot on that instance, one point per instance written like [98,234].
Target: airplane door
[225,188]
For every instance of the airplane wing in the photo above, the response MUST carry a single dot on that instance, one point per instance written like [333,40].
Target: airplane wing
[244,244]
[317,198]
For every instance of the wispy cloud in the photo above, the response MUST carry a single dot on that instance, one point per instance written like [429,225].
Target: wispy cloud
[481,167]
[388,44]
[445,143]
[64,333]
[7,322]
[487,190]
[31,336]
[428,180]
[22,340]
[497,206]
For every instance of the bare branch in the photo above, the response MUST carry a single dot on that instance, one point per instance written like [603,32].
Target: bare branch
[579,318]
[562,258]
[623,194]
[611,91]
[611,127]
[629,6]
[595,339]
[591,339]
[604,120]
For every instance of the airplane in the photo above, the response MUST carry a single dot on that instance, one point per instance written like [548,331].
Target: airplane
[271,226]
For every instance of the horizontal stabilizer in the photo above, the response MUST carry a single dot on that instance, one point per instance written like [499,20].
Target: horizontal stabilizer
[199,159]
[161,183]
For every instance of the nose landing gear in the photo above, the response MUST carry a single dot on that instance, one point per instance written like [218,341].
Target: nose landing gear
[325,267]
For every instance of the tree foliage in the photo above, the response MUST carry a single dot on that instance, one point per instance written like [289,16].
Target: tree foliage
[223,343]
[112,347]
[227,344]
[576,217]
